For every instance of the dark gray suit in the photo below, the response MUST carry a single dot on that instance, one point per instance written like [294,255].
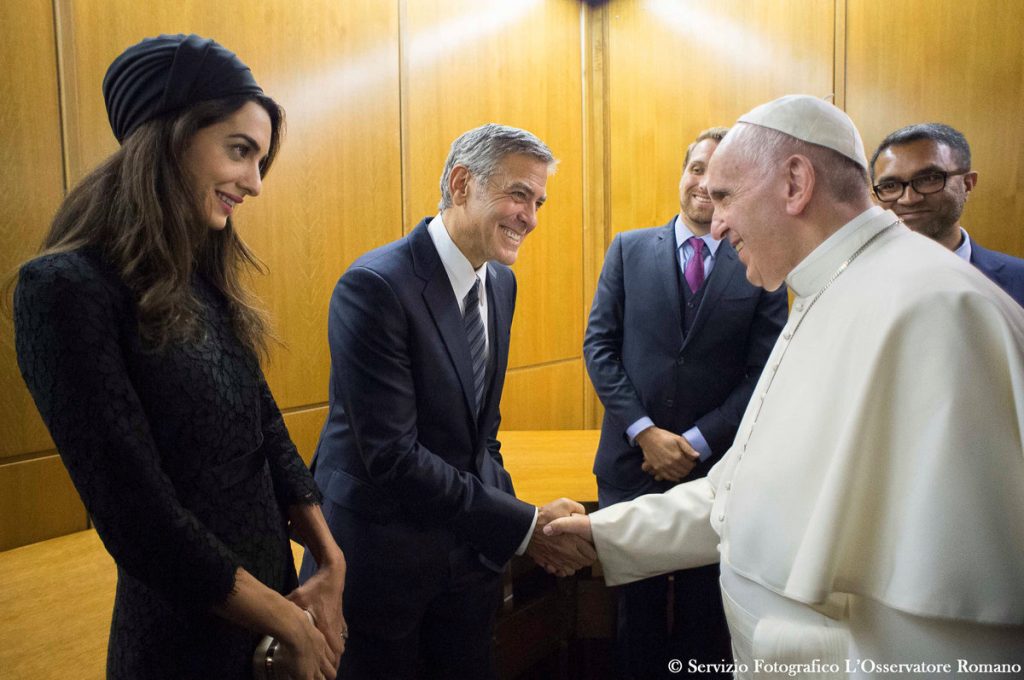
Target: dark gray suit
[1004,270]
[643,361]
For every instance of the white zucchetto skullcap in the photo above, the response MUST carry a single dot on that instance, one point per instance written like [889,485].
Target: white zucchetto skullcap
[812,120]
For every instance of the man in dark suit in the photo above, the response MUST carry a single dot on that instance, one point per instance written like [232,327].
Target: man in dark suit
[409,461]
[676,341]
[923,174]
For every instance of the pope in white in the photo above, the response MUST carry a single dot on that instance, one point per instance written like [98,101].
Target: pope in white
[869,518]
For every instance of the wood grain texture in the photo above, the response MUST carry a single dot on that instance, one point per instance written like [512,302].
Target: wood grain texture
[32,178]
[839,55]
[304,426]
[596,200]
[37,501]
[548,397]
[677,67]
[335,191]
[956,63]
[471,62]
[57,600]
[550,464]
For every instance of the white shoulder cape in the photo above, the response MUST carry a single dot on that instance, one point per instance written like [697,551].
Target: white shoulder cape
[886,459]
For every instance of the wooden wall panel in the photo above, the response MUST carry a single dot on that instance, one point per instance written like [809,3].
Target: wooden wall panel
[335,191]
[32,177]
[958,63]
[671,68]
[304,427]
[548,397]
[39,502]
[470,62]
[677,67]
[596,198]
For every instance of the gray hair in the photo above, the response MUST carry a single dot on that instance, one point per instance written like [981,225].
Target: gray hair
[843,178]
[481,149]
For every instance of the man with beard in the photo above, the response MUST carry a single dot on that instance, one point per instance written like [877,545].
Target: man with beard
[676,340]
[923,174]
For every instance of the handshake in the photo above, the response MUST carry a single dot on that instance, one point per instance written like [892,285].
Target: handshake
[562,542]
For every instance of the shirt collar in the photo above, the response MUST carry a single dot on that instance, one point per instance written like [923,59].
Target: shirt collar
[814,270]
[460,272]
[963,250]
[683,233]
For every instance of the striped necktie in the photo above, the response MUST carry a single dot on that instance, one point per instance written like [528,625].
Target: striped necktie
[474,326]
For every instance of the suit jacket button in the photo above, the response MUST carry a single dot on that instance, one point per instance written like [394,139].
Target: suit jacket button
[680,361]
[668,402]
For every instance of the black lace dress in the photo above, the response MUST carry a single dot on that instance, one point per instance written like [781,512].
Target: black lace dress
[181,458]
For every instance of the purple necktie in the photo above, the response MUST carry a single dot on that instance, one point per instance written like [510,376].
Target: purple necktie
[694,271]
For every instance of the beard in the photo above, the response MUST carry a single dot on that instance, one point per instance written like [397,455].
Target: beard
[943,220]
[698,213]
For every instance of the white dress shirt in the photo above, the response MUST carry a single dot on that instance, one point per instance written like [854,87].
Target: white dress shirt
[462,276]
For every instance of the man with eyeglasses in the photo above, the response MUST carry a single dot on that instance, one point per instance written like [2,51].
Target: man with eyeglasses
[923,173]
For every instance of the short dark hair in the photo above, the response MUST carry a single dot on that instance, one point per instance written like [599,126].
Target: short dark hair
[940,133]
[716,133]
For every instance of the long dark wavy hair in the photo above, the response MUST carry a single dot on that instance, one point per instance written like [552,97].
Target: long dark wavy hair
[139,210]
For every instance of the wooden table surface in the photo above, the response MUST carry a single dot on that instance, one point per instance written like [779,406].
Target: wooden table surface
[547,464]
[56,596]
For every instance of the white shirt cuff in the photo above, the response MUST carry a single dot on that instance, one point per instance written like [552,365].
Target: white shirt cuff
[636,428]
[529,534]
[698,442]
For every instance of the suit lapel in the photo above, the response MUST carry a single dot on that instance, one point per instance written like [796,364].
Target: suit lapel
[444,308]
[726,268]
[980,258]
[666,264]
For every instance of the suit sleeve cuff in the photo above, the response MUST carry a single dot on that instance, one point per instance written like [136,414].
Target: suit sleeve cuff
[697,441]
[636,428]
[526,540]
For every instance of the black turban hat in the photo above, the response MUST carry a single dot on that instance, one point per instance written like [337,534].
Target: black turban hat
[168,73]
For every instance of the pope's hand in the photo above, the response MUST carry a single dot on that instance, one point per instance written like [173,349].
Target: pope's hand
[562,555]
[576,525]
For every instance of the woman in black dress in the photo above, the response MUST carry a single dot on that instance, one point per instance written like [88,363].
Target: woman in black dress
[141,349]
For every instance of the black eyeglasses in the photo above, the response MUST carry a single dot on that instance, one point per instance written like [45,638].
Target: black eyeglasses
[932,183]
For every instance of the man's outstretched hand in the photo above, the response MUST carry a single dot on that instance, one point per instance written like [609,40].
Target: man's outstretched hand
[560,553]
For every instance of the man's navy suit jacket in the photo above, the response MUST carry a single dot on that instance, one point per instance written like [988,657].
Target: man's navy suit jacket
[402,448]
[641,364]
[1006,271]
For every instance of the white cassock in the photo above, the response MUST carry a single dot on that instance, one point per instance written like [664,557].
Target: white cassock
[871,509]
